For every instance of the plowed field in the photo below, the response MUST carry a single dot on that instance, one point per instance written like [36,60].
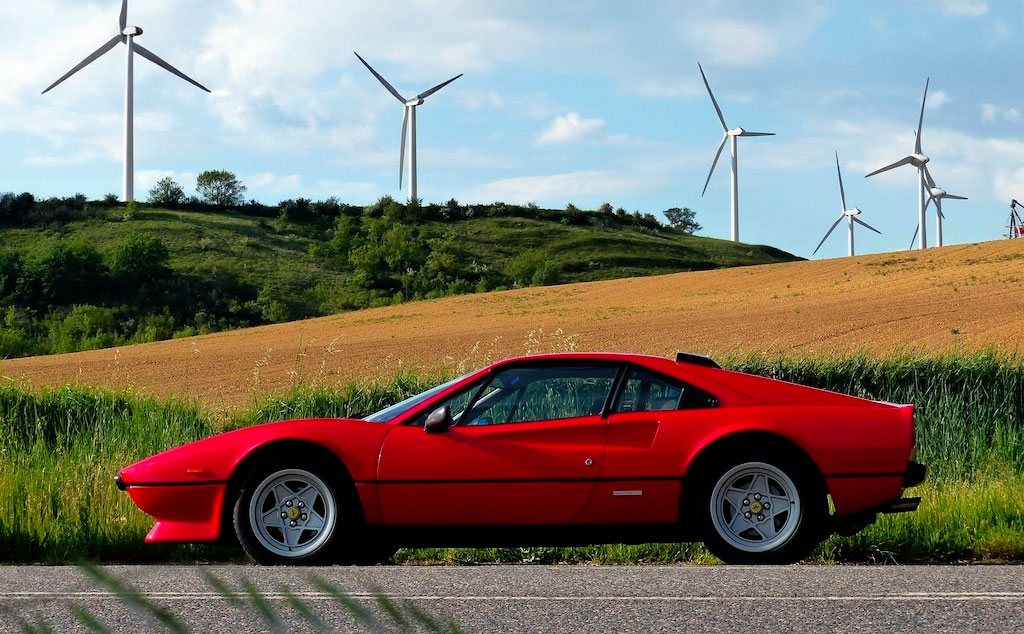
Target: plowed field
[963,297]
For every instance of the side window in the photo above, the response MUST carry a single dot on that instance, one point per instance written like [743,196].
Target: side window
[648,392]
[523,394]
[645,391]
[457,402]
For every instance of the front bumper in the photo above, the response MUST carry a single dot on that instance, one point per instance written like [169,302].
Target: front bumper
[183,513]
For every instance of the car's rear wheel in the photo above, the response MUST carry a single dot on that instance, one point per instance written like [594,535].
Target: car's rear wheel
[764,507]
[286,514]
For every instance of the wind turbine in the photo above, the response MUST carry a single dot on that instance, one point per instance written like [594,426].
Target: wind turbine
[849,214]
[936,194]
[728,134]
[918,160]
[408,123]
[126,35]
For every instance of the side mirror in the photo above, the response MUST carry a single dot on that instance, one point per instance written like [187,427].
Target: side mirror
[439,421]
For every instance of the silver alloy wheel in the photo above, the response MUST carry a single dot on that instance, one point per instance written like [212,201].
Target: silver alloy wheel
[293,513]
[755,507]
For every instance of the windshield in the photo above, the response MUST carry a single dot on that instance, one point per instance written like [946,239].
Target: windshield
[390,413]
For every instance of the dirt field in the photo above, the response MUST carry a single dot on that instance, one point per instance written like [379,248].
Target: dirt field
[961,297]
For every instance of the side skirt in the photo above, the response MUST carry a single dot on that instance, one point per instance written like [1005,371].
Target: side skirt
[513,536]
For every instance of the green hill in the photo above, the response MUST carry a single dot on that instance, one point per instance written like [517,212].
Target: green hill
[77,275]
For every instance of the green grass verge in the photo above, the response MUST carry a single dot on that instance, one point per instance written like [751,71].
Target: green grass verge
[60,448]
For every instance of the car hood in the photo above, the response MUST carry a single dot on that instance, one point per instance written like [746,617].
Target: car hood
[214,459]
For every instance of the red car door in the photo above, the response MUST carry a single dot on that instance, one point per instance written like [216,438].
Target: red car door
[527,448]
[647,425]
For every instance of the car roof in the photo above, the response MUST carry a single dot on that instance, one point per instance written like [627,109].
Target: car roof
[585,356]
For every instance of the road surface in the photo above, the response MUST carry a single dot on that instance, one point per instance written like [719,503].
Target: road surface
[508,598]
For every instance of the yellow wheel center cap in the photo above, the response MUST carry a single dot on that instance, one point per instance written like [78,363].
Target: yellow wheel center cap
[755,507]
[293,513]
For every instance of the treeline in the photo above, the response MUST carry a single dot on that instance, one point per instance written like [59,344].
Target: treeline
[390,257]
[68,296]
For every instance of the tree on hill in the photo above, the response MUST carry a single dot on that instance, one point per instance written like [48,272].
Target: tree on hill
[140,258]
[684,219]
[220,187]
[166,192]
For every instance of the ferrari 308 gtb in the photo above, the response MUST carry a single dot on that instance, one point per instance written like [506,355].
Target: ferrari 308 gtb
[547,450]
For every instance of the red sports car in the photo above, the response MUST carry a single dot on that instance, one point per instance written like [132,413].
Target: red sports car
[550,449]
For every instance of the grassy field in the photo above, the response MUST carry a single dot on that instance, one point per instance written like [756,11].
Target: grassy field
[961,298]
[970,423]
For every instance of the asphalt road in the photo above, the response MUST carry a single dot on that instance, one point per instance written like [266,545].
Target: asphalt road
[545,598]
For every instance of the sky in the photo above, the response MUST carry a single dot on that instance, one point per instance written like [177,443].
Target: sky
[574,101]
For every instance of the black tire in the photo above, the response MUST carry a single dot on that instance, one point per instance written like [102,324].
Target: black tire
[307,523]
[725,496]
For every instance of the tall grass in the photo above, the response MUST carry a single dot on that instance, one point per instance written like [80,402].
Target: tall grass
[60,448]
[59,452]
[352,400]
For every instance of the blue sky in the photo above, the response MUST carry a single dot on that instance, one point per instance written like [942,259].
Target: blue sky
[581,102]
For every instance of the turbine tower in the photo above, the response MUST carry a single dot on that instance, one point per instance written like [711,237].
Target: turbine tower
[918,160]
[937,194]
[728,134]
[408,123]
[849,214]
[126,35]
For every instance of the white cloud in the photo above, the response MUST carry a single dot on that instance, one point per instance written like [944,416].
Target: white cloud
[463,157]
[480,99]
[81,157]
[1009,184]
[937,99]
[556,187]
[672,88]
[841,95]
[993,112]
[964,7]
[275,182]
[733,43]
[571,128]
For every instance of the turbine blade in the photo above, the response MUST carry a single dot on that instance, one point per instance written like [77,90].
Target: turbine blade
[955,197]
[123,20]
[384,82]
[712,95]
[401,154]
[903,161]
[151,56]
[111,43]
[920,120]
[829,232]
[427,93]
[725,137]
[842,194]
[914,239]
[861,222]
[928,177]
[745,133]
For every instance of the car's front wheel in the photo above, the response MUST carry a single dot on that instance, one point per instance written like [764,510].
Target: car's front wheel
[285,514]
[762,509]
